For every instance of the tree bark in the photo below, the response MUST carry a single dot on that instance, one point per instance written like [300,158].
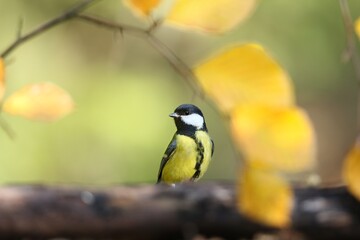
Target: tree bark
[163,212]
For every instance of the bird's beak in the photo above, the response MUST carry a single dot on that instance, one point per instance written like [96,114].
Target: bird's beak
[174,115]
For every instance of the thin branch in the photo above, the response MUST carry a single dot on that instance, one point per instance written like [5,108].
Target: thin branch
[67,15]
[176,63]
[135,31]
[20,28]
[158,45]
[155,25]
[351,51]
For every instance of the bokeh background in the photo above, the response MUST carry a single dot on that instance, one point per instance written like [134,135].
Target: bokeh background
[124,90]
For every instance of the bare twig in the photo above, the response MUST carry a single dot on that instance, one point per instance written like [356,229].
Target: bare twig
[67,15]
[158,45]
[20,28]
[351,51]
[176,63]
[147,34]
[135,31]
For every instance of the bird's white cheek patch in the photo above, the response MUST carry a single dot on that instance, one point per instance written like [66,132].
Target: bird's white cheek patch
[193,119]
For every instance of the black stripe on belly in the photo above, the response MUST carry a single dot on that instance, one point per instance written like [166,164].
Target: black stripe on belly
[199,159]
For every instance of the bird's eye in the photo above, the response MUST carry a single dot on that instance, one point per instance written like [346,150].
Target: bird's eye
[187,112]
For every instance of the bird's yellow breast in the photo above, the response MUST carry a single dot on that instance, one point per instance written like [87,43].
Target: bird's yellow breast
[182,164]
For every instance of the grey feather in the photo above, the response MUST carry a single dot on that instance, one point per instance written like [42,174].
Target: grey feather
[168,153]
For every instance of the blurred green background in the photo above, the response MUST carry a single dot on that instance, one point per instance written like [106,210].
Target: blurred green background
[124,90]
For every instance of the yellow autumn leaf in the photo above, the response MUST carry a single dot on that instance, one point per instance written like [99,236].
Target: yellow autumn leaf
[2,79]
[41,101]
[142,7]
[244,74]
[215,16]
[264,196]
[357,27]
[281,137]
[351,170]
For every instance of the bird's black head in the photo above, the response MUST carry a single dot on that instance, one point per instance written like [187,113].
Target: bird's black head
[189,118]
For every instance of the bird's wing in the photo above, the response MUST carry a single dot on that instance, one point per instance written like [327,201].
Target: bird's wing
[168,153]
[212,147]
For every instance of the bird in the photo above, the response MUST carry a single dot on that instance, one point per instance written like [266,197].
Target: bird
[189,153]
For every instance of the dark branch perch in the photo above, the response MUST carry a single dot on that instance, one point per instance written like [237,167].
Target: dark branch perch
[162,212]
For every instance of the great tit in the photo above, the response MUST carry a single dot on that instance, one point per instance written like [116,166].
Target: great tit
[189,153]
